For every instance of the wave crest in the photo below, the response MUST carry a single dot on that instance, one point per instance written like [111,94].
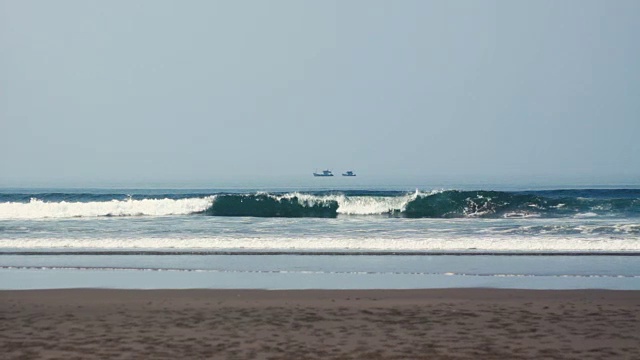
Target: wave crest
[435,204]
[38,209]
[265,205]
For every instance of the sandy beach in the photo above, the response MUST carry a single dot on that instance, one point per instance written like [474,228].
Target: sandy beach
[320,324]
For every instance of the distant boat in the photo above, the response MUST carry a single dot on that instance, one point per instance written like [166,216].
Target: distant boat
[323,173]
[349,173]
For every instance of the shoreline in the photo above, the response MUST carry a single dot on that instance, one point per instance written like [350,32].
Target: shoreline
[188,252]
[320,324]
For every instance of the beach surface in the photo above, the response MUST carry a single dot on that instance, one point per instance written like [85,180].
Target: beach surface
[320,324]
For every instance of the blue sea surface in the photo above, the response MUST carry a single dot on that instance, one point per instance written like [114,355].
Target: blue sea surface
[328,234]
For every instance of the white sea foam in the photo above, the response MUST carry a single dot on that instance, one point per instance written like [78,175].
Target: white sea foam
[358,205]
[314,243]
[627,228]
[585,215]
[520,215]
[38,209]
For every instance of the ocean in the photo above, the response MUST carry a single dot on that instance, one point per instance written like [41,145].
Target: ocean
[320,236]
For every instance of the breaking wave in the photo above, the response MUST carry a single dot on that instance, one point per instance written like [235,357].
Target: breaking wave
[38,209]
[328,204]
[435,204]
[307,205]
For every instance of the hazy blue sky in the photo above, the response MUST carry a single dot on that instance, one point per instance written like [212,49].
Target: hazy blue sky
[100,92]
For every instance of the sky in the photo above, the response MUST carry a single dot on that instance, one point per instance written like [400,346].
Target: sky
[190,92]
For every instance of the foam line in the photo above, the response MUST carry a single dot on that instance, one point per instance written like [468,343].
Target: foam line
[38,209]
[319,253]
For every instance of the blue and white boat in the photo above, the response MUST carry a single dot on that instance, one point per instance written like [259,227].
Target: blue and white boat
[323,173]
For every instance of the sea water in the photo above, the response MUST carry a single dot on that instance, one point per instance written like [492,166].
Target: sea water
[339,236]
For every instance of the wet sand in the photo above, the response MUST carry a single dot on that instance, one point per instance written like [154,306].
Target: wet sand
[320,324]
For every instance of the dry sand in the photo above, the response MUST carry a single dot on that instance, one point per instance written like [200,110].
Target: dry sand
[325,324]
